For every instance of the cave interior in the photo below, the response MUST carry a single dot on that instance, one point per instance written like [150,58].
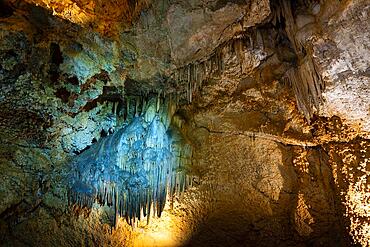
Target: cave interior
[185,123]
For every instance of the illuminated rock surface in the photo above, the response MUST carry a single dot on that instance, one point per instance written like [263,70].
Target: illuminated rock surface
[135,168]
[269,116]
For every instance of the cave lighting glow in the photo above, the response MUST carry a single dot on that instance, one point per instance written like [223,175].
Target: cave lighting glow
[161,232]
[135,168]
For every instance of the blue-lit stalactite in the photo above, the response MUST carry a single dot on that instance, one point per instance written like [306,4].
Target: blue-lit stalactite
[134,169]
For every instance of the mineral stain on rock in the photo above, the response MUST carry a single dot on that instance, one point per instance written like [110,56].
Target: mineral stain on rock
[184,123]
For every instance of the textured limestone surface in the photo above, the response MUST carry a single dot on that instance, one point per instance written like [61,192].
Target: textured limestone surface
[204,26]
[260,193]
[336,37]
[347,74]
[272,96]
[102,15]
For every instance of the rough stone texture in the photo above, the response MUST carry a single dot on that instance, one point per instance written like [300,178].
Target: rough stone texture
[101,15]
[204,26]
[335,36]
[271,164]
[45,117]
[258,196]
[278,190]
[350,168]
[347,36]
[246,192]
[151,46]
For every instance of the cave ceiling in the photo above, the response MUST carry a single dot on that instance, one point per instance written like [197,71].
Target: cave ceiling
[139,41]
[271,96]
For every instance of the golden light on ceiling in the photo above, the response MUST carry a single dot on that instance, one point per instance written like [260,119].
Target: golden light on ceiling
[102,15]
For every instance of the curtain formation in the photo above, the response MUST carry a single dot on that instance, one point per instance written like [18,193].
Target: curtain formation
[135,168]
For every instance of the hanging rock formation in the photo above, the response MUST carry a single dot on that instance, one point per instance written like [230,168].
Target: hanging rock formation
[110,109]
[134,169]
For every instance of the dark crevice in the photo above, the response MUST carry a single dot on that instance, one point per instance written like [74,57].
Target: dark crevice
[56,58]
[90,105]
[56,54]
[17,213]
[5,9]
[77,152]
[132,4]
[63,94]
[10,210]
[102,76]
[103,133]
[110,94]
[73,80]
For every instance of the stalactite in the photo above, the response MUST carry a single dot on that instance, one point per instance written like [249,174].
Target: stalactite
[127,107]
[143,105]
[286,12]
[307,86]
[192,75]
[137,106]
[135,168]
[238,48]
[259,39]
[158,101]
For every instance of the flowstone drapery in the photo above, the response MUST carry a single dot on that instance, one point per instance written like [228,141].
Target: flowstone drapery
[134,169]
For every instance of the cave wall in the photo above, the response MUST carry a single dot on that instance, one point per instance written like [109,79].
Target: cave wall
[279,124]
[350,168]
[269,180]
[49,113]
[265,191]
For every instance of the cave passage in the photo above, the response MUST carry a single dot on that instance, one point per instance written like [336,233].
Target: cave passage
[184,123]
